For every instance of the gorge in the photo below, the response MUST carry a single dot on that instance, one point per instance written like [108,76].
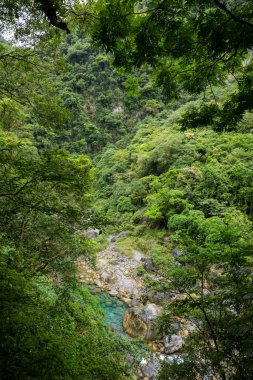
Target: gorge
[126,194]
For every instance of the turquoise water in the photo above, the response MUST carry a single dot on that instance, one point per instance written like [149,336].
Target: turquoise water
[114,310]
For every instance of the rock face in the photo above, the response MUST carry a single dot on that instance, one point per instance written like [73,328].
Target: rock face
[115,272]
[173,343]
[140,321]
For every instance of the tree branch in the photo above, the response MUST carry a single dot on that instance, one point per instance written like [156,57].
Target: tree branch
[232,15]
[18,191]
[49,9]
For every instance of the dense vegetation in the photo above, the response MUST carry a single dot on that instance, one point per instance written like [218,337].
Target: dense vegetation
[104,105]
[50,326]
[191,191]
[173,167]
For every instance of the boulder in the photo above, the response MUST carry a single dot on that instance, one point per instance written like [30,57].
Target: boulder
[137,256]
[150,370]
[176,253]
[148,264]
[140,321]
[117,110]
[98,284]
[179,297]
[115,237]
[160,298]
[113,292]
[176,326]
[151,311]
[106,276]
[135,302]
[173,343]
[92,233]
[133,323]
[206,292]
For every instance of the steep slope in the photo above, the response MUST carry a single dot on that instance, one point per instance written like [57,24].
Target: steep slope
[186,198]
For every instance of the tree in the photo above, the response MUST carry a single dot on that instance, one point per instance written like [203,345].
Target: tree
[27,16]
[190,44]
[47,318]
[195,199]
[193,42]
[50,326]
[218,288]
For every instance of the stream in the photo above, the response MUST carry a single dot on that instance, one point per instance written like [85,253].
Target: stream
[116,283]
[113,307]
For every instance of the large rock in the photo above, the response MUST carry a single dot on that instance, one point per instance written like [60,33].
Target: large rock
[140,321]
[179,297]
[118,109]
[176,326]
[173,343]
[106,276]
[160,298]
[148,264]
[92,233]
[137,256]
[115,237]
[124,283]
[177,253]
[149,371]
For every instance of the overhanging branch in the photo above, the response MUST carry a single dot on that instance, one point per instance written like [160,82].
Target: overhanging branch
[232,15]
[50,12]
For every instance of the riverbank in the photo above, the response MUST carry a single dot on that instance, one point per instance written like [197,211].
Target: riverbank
[116,274]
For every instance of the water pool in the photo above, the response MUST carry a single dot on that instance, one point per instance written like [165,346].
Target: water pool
[114,309]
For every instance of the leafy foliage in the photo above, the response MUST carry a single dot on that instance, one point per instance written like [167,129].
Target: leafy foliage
[179,175]
[191,45]
[50,326]
[191,191]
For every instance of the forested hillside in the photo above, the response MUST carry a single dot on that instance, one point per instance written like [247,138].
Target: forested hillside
[104,104]
[187,196]
[126,134]
[50,326]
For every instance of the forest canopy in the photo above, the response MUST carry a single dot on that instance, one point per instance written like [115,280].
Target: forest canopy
[191,45]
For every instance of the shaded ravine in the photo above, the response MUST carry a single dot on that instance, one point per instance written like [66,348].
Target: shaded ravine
[119,288]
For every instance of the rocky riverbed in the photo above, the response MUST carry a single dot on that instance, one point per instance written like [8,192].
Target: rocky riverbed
[116,274]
